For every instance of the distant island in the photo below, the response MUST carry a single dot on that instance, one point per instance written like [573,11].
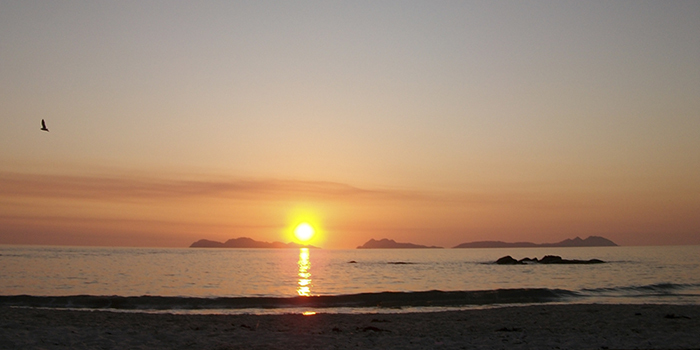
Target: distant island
[391,244]
[591,241]
[245,242]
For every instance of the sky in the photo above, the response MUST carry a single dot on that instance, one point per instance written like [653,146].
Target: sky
[431,122]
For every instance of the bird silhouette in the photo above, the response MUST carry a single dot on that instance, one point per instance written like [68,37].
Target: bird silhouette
[43,125]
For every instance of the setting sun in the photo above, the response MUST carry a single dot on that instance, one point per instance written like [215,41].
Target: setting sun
[304,232]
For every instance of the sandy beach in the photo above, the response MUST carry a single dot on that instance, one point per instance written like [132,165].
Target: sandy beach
[525,327]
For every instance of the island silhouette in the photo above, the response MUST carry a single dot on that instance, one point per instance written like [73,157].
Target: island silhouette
[385,243]
[591,241]
[390,244]
[245,242]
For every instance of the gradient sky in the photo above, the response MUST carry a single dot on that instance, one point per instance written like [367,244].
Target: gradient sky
[429,122]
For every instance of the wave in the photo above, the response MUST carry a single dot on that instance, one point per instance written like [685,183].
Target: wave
[645,290]
[433,298]
[660,292]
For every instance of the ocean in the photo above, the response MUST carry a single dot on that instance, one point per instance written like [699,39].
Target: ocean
[263,281]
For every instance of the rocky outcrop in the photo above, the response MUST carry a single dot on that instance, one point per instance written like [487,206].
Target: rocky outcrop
[508,260]
[547,259]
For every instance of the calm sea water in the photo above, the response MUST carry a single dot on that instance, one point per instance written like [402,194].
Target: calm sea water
[269,280]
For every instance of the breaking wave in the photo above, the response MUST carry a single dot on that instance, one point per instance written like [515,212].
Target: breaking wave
[363,300]
[655,290]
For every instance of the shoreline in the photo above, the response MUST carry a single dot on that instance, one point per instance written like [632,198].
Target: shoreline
[544,326]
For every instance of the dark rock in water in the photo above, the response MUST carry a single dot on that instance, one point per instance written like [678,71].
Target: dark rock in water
[551,259]
[507,260]
[373,329]
[547,259]
[675,317]
[506,329]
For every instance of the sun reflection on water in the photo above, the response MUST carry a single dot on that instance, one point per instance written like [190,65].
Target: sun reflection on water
[304,288]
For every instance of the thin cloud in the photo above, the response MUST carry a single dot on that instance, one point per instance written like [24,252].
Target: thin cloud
[28,185]
[116,188]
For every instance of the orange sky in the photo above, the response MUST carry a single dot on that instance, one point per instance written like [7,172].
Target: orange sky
[436,124]
[137,211]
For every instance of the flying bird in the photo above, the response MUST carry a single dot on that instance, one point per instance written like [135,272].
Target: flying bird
[43,125]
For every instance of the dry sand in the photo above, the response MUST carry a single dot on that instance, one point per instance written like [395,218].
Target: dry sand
[525,327]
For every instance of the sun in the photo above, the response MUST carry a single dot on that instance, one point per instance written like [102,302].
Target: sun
[304,232]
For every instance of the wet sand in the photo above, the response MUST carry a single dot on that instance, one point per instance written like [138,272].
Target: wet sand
[524,327]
